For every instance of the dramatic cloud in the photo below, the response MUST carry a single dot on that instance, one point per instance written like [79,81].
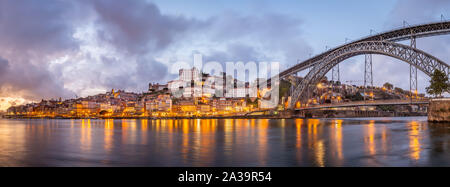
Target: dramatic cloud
[138,26]
[42,26]
[274,36]
[29,81]
[260,37]
[120,46]
[31,34]
[143,43]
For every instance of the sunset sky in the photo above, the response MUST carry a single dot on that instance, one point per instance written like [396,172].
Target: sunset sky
[57,48]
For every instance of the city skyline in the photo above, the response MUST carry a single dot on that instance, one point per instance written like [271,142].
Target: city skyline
[224,92]
[62,49]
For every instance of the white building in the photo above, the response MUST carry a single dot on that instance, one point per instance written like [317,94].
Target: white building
[189,74]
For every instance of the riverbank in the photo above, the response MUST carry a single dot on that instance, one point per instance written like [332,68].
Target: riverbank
[239,117]
[152,118]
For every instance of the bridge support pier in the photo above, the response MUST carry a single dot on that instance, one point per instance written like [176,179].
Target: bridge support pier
[368,76]
[413,74]
[335,74]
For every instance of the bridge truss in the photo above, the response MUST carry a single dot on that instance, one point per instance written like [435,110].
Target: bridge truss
[415,57]
[396,35]
[375,44]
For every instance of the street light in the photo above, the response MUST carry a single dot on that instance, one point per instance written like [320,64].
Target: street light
[319,86]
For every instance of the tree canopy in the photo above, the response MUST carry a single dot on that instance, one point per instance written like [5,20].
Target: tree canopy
[438,83]
[388,86]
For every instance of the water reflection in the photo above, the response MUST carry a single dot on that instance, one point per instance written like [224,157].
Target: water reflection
[370,138]
[144,128]
[439,143]
[336,140]
[414,142]
[263,125]
[227,142]
[86,139]
[384,139]
[109,133]
[316,141]
[298,140]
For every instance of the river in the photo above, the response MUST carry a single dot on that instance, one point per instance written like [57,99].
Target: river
[403,141]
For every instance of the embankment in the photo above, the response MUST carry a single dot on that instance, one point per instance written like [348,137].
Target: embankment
[439,110]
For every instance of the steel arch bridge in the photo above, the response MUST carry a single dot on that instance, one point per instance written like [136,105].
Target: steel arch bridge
[417,58]
[405,33]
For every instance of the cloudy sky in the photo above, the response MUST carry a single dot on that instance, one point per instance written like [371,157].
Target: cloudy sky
[67,48]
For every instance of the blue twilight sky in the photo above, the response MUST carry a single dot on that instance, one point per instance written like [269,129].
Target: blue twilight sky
[58,48]
[325,22]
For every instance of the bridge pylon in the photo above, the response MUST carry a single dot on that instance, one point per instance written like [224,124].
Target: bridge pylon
[413,74]
[368,75]
[335,74]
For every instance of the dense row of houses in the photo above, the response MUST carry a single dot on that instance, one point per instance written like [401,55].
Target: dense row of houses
[190,95]
[193,94]
[112,104]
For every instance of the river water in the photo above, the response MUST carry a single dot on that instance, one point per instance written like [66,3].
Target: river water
[405,141]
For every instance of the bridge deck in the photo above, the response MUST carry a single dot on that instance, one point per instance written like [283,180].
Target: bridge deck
[367,103]
[355,104]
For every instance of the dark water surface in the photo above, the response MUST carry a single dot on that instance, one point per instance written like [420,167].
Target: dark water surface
[231,142]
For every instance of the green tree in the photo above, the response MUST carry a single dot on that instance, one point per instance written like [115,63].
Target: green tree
[284,88]
[388,86]
[438,83]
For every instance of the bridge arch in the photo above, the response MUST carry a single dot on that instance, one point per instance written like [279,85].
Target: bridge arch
[420,59]
[400,34]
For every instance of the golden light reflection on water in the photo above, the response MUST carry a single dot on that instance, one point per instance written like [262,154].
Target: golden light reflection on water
[206,142]
[315,142]
[163,136]
[13,144]
[86,138]
[263,140]
[298,142]
[132,139]
[252,129]
[414,140]
[197,140]
[229,136]
[170,135]
[124,131]
[257,141]
[144,125]
[144,131]
[207,146]
[170,126]
[336,139]
[185,147]
[109,133]
[320,153]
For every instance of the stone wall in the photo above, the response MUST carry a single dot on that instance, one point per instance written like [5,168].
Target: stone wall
[439,110]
